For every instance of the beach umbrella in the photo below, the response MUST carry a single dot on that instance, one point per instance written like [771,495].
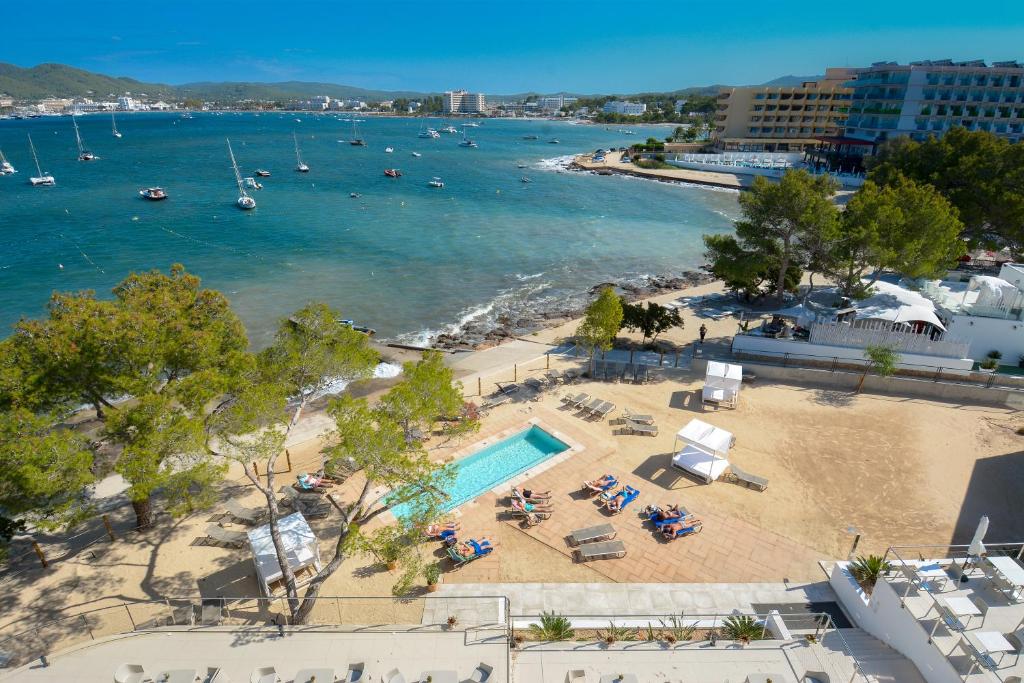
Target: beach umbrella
[977,548]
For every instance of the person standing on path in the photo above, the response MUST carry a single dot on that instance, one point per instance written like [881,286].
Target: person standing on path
[703,332]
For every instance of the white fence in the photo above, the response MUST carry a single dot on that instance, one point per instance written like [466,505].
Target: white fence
[880,333]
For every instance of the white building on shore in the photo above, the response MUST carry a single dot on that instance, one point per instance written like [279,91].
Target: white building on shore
[625,108]
[464,102]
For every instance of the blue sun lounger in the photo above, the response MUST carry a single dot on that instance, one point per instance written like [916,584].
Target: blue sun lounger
[694,528]
[628,494]
[658,523]
[604,489]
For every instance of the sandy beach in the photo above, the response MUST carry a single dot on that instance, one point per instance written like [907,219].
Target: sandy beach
[895,470]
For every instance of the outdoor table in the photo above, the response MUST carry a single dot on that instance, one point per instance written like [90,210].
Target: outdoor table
[440,676]
[1009,569]
[178,676]
[932,572]
[987,642]
[322,676]
[959,607]
[614,678]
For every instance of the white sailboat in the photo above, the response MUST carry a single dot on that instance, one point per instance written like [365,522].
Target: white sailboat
[113,124]
[40,178]
[356,140]
[5,166]
[301,167]
[466,142]
[244,200]
[83,153]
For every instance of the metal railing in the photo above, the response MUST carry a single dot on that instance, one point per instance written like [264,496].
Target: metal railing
[812,628]
[919,554]
[29,639]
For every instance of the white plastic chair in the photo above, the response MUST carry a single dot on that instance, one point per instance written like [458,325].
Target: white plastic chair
[129,673]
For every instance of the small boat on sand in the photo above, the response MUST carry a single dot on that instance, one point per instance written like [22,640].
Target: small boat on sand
[392,172]
[153,194]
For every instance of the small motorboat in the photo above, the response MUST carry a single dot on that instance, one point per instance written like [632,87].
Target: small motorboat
[389,150]
[252,184]
[553,141]
[392,172]
[153,194]
[520,165]
[524,179]
[416,154]
[354,195]
[436,182]
[262,173]
[529,137]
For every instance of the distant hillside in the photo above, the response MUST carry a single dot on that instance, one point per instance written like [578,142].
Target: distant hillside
[790,81]
[287,90]
[59,80]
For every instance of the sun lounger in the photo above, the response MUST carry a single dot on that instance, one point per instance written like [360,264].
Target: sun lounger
[238,511]
[749,480]
[523,514]
[627,495]
[570,376]
[604,489]
[508,388]
[602,411]
[601,532]
[494,402]
[311,505]
[234,539]
[694,528]
[641,375]
[601,551]
[631,427]
[534,383]
[576,401]
[594,403]
[633,417]
[554,375]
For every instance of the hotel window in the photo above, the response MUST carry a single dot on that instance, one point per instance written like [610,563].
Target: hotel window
[758,107]
[812,95]
[759,96]
[773,96]
[1014,81]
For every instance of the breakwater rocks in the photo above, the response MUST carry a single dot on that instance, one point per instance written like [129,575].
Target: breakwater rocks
[491,330]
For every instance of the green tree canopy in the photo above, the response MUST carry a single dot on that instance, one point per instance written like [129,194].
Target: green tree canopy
[428,392]
[748,269]
[601,322]
[980,173]
[781,217]
[651,320]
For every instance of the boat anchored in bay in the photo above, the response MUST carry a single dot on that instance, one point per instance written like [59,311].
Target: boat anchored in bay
[436,182]
[5,166]
[301,167]
[83,153]
[244,201]
[153,194]
[40,179]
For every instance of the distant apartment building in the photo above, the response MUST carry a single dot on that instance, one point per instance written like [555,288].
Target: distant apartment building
[6,101]
[54,104]
[463,102]
[555,103]
[783,119]
[624,108]
[927,98]
[126,103]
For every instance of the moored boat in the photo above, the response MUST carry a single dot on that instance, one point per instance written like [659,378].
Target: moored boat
[436,182]
[44,179]
[83,153]
[262,173]
[300,165]
[392,172]
[5,166]
[153,194]
[244,201]
[113,124]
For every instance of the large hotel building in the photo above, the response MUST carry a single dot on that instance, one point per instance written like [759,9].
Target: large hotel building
[783,119]
[462,102]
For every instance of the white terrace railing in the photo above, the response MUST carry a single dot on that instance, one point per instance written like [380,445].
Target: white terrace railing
[880,333]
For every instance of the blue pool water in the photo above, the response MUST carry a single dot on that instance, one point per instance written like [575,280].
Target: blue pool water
[498,462]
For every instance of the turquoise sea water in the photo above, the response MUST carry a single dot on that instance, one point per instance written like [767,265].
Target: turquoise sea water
[404,258]
[498,462]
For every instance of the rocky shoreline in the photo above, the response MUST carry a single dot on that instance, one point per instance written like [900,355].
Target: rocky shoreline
[482,334]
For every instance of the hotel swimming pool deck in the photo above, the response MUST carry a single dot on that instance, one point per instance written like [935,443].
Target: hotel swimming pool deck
[499,459]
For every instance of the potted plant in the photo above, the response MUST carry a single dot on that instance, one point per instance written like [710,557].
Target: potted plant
[432,573]
[989,365]
[867,570]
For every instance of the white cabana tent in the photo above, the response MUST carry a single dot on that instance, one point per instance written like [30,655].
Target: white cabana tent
[801,313]
[705,450]
[722,384]
[300,545]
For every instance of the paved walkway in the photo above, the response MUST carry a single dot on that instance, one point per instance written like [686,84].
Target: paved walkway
[625,599]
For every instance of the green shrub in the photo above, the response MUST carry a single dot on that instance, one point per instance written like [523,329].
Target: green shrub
[742,628]
[552,627]
[867,570]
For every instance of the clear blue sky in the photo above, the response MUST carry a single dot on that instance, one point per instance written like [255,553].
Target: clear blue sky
[501,46]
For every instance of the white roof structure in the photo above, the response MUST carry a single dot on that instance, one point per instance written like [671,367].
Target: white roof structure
[300,545]
[897,305]
[704,451]
[803,314]
[722,383]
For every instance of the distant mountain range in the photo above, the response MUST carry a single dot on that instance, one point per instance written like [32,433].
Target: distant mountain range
[60,80]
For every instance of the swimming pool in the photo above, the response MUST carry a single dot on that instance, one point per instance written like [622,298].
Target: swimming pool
[494,464]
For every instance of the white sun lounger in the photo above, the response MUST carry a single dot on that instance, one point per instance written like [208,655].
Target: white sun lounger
[632,417]
[235,539]
[632,427]
[592,406]
[602,550]
[245,514]
[600,532]
[752,481]
[603,410]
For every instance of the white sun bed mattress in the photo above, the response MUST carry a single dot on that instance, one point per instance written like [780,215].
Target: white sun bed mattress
[700,463]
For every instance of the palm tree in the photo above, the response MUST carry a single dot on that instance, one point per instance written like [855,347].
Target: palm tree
[742,628]
[552,627]
[867,570]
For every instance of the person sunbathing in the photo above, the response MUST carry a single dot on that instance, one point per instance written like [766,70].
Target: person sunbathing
[676,529]
[474,547]
[670,512]
[522,506]
[442,531]
[311,482]
[529,495]
[599,485]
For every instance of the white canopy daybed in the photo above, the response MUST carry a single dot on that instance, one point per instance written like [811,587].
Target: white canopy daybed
[300,545]
[705,450]
[722,384]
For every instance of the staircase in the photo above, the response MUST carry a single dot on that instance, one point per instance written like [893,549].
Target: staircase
[879,662]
